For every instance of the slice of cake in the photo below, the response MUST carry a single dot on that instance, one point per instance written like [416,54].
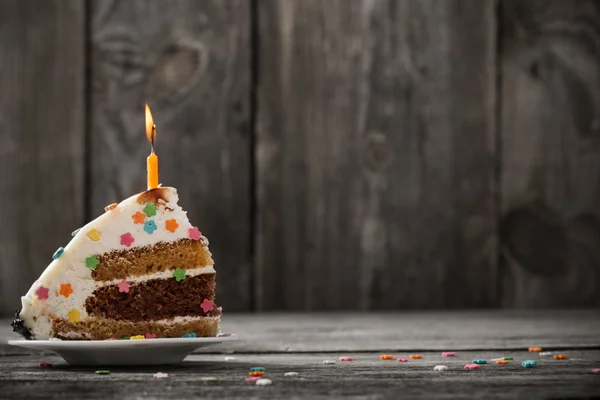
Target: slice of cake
[139,270]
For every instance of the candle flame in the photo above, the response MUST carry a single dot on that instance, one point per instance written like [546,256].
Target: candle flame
[150,127]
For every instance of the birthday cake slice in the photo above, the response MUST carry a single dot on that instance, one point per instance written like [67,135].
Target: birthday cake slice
[140,270]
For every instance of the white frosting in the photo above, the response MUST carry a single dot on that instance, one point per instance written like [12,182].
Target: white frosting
[70,267]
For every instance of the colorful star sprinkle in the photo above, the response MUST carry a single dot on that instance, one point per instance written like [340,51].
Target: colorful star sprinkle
[560,357]
[386,357]
[189,335]
[92,262]
[42,293]
[160,375]
[94,234]
[66,289]
[103,372]
[415,356]
[150,226]
[529,364]
[440,368]
[346,359]
[123,286]
[448,354]
[179,274]
[471,366]
[291,373]
[479,361]
[58,253]
[110,207]
[137,337]
[501,362]
[263,382]
[150,210]
[127,239]
[44,365]
[75,232]
[138,217]
[150,335]
[535,349]
[171,225]
[74,315]
[194,233]
[207,305]
[403,360]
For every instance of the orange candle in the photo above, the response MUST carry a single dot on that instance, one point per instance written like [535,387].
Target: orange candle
[152,160]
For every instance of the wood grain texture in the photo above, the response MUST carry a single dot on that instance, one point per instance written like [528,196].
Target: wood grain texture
[42,67]
[550,139]
[366,377]
[375,154]
[190,61]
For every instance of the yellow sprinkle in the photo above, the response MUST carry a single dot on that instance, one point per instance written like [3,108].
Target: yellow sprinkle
[74,315]
[94,234]
[138,337]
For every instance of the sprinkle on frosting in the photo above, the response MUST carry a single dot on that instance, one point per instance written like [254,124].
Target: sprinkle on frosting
[110,207]
[179,274]
[66,289]
[171,225]
[194,233]
[207,305]
[42,293]
[150,335]
[150,226]
[138,217]
[150,210]
[75,232]
[127,239]
[58,253]
[189,335]
[74,315]
[92,262]
[123,286]
[94,234]
[137,337]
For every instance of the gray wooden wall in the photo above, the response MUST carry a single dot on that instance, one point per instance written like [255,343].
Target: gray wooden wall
[339,154]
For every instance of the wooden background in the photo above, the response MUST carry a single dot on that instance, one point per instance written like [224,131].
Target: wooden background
[339,154]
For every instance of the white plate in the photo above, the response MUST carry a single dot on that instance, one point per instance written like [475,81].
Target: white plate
[122,352]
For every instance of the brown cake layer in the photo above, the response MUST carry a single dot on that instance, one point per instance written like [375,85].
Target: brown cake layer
[154,299]
[100,329]
[120,264]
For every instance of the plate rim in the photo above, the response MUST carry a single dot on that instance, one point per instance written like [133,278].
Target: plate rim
[121,343]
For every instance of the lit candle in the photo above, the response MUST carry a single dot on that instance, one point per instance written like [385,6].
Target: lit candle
[152,161]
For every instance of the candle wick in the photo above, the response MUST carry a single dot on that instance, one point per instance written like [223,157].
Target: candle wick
[153,137]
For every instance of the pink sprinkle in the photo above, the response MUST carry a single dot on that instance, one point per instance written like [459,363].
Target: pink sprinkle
[471,366]
[42,293]
[403,360]
[252,378]
[127,239]
[44,365]
[150,335]
[123,286]
[346,359]
[448,354]
[194,233]
[112,338]
[596,370]
[207,305]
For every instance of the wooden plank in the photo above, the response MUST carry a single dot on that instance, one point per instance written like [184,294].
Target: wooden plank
[367,377]
[190,60]
[42,125]
[423,331]
[375,154]
[550,160]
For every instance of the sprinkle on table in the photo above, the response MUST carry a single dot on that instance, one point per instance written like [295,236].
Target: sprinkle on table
[208,378]
[545,353]
[102,372]
[252,378]
[448,354]
[58,253]
[256,373]
[535,349]
[346,359]
[179,274]
[44,365]
[560,356]
[596,371]
[160,375]
[230,358]
[501,362]
[386,357]
[471,366]
[291,373]
[328,362]
[479,361]
[403,360]
[255,369]
[440,368]
[415,356]
[507,358]
[529,364]
[263,382]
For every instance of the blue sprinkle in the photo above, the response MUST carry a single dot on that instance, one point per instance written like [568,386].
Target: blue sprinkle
[529,364]
[150,226]
[479,362]
[189,335]
[58,253]
[255,369]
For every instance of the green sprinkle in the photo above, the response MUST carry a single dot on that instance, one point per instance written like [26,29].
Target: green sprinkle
[103,372]
[507,358]
[179,274]
[92,262]
[124,338]
[150,210]
[255,369]
[75,232]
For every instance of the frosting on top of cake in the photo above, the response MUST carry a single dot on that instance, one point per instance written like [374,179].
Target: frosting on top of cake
[141,220]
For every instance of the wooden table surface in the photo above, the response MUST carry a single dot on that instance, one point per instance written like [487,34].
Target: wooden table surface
[300,342]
